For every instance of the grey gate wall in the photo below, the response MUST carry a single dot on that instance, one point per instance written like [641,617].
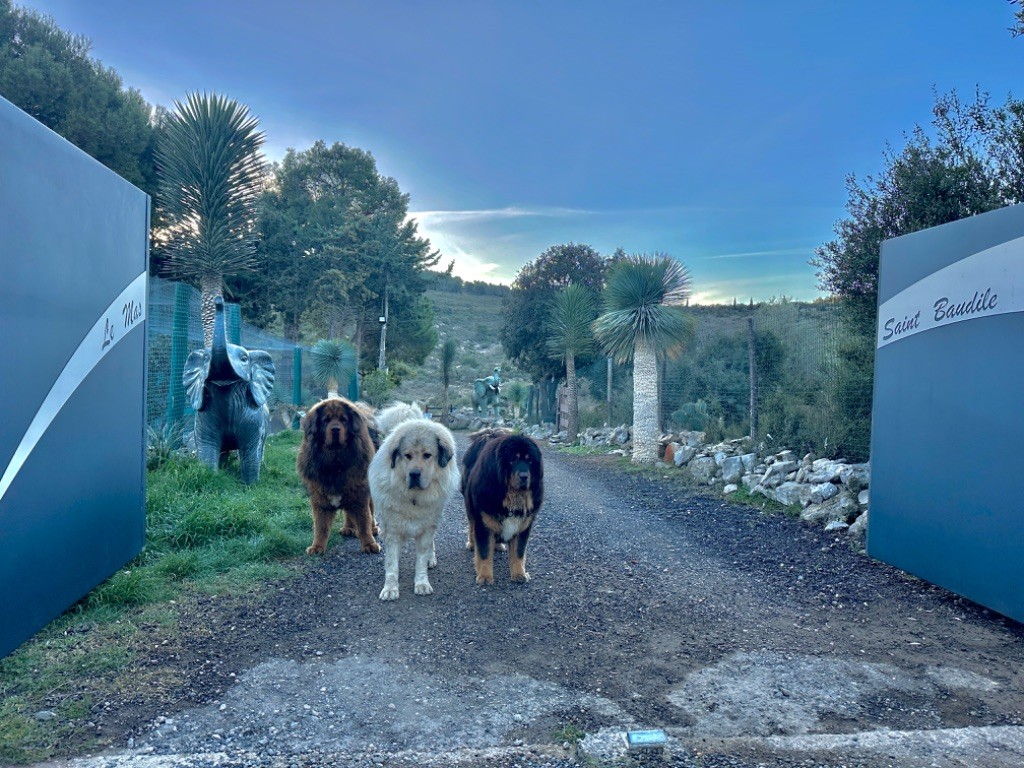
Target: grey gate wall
[946,444]
[74,252]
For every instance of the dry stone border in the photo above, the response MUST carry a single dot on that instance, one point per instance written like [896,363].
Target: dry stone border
[829,492]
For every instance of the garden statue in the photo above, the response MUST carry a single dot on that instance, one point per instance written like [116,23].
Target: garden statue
[228,387]
[486,394]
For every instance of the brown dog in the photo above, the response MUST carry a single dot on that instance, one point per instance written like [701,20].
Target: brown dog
[503,487]
[333,462]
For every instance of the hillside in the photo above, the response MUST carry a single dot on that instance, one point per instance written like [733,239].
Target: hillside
[474,322]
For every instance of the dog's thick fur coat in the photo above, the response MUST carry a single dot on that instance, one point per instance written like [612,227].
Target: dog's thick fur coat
[411,479]
[390,417]
[333,463]
[503,487]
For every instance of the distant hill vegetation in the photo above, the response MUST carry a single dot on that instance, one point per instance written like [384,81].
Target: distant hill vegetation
[442,281]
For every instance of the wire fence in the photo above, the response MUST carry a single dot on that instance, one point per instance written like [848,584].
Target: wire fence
[810,389]
[175,329]
[807,392]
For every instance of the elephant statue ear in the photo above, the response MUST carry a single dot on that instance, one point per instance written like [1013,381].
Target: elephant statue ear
[197,368]
[479,388]
[261,381]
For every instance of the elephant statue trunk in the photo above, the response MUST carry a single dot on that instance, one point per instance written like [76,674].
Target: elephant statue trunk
[228,386]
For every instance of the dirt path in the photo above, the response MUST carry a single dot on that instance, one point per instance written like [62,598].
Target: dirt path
[752,640]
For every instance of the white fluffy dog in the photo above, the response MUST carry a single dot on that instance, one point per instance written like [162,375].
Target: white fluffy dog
[412,477]
[389,418]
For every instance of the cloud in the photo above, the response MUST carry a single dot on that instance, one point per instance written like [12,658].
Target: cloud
[751,254]
[438,218]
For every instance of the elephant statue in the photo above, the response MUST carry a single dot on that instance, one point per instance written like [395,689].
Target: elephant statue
[228,387]
[486,393]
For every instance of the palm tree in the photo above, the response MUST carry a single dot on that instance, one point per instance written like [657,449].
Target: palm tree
[334,361]
[448,350]
[643,319]
[210,175]
[569,335]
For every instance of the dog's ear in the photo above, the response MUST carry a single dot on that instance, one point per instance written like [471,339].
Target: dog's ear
[311,421]
[355,421]
[395,454]
[444,452]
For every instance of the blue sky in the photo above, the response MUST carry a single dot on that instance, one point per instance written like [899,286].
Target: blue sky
[719,132]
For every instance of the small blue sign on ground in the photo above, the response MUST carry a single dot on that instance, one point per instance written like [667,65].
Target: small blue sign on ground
[653,740]
[948,408]
[73,311]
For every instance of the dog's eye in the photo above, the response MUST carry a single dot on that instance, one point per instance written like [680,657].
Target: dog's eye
[408,457]
[427,455]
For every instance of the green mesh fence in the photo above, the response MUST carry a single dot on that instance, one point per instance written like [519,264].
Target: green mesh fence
[175,329]
[812,382]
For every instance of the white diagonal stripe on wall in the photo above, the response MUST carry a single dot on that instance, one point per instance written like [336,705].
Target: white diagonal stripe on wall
[990,282]
[124,313]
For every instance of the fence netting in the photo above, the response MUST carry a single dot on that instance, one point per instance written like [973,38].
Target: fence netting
[811,380]
[176,328]
[811,393]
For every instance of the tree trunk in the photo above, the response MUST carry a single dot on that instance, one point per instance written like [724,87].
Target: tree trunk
[645,404]
[572,394]
[445,405]
[210,287]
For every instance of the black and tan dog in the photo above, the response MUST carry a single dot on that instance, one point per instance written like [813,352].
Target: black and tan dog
[503,487]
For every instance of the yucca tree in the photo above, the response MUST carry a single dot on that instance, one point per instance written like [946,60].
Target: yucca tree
[644,319]
[448,350]
[515,392]
[569,335]
[210,175]
[332,361]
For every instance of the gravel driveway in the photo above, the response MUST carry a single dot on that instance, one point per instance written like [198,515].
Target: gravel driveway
[752,639]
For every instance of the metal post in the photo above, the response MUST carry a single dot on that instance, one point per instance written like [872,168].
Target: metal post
[609,422]
[179,351]
[233,323]
[753,377]
[381,363]
[296,384]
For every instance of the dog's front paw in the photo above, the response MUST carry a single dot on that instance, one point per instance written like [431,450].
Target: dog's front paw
[371,547]
[432,562]
[389,593]
[484,579]
[423,588]
[348,530]
[521,577]
[315,549]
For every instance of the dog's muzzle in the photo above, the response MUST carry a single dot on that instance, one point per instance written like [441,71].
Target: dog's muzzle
[414,478]
[524,480]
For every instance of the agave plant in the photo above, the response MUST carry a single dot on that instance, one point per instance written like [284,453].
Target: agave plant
[643,319]
[332,361]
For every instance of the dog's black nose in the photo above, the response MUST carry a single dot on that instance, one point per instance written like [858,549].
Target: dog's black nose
[524,479]
[414,478]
